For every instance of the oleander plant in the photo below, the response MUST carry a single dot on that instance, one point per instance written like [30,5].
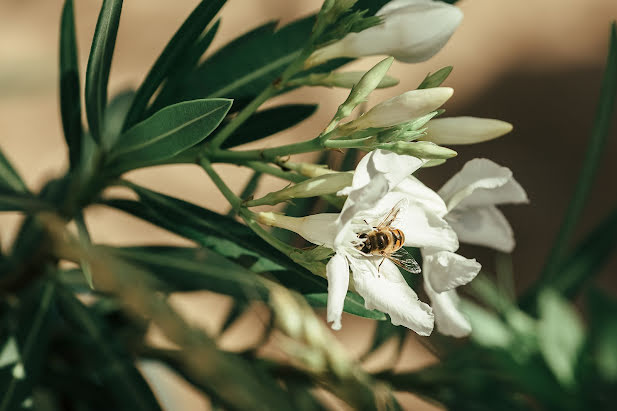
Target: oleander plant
[378,243]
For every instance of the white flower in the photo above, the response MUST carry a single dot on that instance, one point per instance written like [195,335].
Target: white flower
[472,195]
[464,130]
[370,197]
[412,31]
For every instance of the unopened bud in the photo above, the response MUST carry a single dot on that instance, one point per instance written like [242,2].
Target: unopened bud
[465,130]
[402,108]
[314,187]
[364,87]
[420,149]
[412,31]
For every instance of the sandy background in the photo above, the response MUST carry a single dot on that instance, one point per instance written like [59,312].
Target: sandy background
[536,64]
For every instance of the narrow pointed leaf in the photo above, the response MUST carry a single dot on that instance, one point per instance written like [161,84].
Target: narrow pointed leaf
[18,378]
[116,370]
[99,64]
[270,121]
[167,133]
[115,114]
[190,269]
[70,104]
[8,176]
[560,335]
[182,40]
[591,163]
[27,203]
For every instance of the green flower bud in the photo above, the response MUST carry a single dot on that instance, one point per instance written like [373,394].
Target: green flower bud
[325,184]
[420,149]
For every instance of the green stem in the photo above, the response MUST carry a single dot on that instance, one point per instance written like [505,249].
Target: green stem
[268,154]
[233,199]
[275,171]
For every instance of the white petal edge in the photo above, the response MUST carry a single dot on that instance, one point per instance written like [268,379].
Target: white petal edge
[445,270]
[337,271]
[485,226]
[464,130]
[388,292]
[448,318]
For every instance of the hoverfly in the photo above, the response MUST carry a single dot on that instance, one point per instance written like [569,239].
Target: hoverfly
[388,242]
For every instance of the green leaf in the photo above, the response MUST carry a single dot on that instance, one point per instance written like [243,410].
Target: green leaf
[593,155]
[560,335]
[115,368]
[190,269]
[21,202]
[488,329]
[354,304]
[32,336]
[193,85]
[99,64]
[435,79]
[115,114]
[588,258]
[70,104]
[269,121]
[167,133]
[182,40]
[603,334]
[9,177]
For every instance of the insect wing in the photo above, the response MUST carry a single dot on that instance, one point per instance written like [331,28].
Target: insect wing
[391,216]
[403,259]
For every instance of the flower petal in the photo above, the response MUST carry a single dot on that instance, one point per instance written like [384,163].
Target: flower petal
[446,271]
[485,226]
[448,319]
[482,182]
[337,272]
[387,291]
[319,229]
[417,192]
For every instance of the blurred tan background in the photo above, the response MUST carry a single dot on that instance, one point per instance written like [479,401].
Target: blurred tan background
[536,64]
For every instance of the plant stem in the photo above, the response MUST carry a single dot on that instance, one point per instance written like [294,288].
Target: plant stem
[275,171]
[216,155]
[233,199]
[250,220]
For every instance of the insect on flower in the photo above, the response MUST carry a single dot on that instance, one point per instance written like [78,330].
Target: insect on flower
[388,242]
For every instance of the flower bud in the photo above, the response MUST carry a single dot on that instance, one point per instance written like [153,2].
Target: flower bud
[420,149]
[401,109]
[325,184]
[465,130]
[412,31]
[364,87]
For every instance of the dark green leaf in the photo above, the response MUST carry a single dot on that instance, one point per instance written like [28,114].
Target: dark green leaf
[99,64]
[269,121]
[593,155]
[182,40]
[9,177]
[588,258]
[435,79]
[115,114]
[167,133]
[560,335]
[354,304]
[189,269]
[70,104]
[20,375]
[193,85]
[603,334]
[21,202]
[115,368]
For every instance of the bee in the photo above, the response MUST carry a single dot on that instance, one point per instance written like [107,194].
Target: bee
[388,242]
